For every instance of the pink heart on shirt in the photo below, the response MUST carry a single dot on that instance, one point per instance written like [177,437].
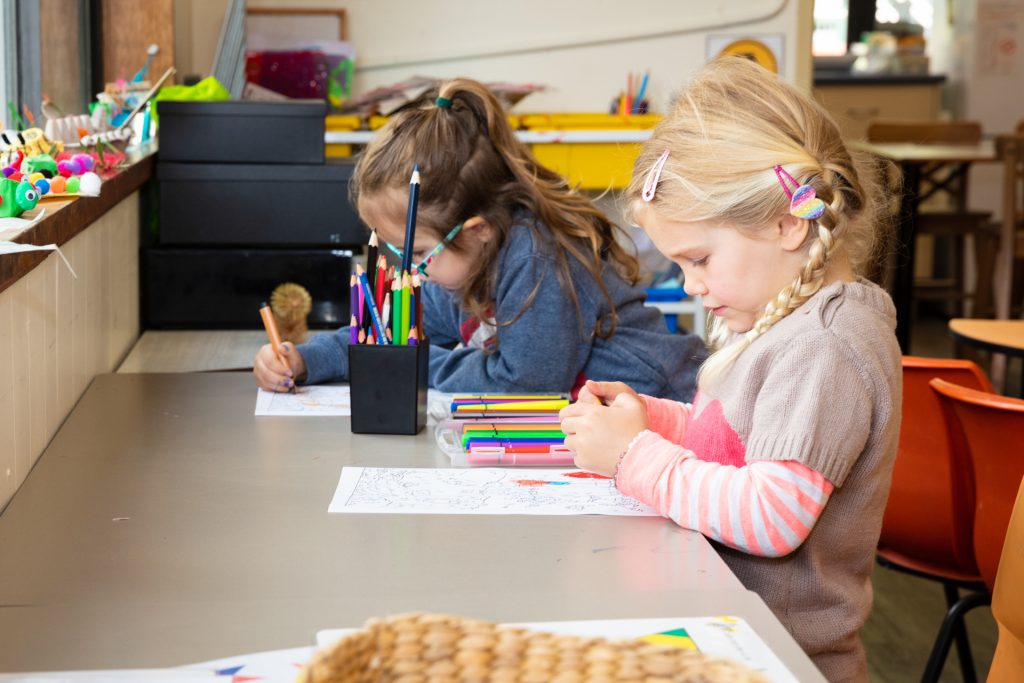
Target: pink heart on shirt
[712,438]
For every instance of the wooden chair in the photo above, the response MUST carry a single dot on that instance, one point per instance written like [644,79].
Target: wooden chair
[946,185]
[1008,601]
[927,526]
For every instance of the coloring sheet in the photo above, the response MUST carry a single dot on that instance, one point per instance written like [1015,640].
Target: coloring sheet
[481,491]
[728,637]
[332,399]
[314,400]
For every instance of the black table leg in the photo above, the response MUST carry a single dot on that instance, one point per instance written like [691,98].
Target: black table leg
[903,278]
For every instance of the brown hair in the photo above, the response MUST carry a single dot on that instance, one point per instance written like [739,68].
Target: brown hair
[472,165]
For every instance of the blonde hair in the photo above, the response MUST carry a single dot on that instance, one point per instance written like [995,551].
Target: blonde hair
[726,132]
[472,164]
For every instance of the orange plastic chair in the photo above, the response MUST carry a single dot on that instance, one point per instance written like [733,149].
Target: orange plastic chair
[992,429]
[1008,602]
[928,522]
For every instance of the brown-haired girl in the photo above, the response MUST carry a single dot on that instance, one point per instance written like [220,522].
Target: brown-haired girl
[530,291]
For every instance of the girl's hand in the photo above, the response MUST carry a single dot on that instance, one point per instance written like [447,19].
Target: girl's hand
[600,434]
[272,374]
[603,392]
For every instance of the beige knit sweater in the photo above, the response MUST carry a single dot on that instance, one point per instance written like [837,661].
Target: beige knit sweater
[822,388]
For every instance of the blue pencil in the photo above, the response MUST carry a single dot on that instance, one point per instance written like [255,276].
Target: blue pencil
[410,219]
[374,317]
[640,93]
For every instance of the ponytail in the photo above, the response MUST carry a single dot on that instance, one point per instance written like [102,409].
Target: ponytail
[473,164]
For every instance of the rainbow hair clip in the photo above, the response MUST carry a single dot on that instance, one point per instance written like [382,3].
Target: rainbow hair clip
[803,203]
[653,176]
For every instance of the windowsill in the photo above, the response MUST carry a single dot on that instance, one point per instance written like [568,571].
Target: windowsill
[65,219]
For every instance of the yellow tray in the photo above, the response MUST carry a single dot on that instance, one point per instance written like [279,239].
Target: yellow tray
[589,165]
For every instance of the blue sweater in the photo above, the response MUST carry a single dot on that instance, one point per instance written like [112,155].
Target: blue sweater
[544,349]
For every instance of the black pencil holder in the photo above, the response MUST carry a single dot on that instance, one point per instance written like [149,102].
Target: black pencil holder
[389,387]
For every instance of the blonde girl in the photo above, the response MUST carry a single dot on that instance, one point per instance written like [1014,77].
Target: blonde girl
[784,458]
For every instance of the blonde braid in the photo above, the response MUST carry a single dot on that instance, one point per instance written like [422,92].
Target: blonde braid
[730,345]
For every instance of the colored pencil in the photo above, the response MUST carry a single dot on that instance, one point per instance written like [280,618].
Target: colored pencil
[385,316]
[412,340]
[371,260]
[275,337]
[406,295]
[374,317]
[353,286]
[396,309]
[638,102]
[271,326]
[410,218]
[380,274]
[629,93]
[417,291]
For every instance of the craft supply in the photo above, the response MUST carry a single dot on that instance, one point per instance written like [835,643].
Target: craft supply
[638,104]
[16,197]
[410,218]
[406,301]
[272,334]
[353,304]
[89,185]
[396,308]
[507,405]
[418,304]
[374,315]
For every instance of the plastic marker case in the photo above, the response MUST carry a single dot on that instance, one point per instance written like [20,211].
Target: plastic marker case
[516,441]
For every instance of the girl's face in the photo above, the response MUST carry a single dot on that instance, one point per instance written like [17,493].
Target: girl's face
[450,268]
[736,273]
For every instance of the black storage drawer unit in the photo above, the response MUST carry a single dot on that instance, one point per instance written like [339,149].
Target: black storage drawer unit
[223,288]
[238,204]
[243,131]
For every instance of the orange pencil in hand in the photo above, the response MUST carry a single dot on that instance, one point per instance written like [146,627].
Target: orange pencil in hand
[275,337]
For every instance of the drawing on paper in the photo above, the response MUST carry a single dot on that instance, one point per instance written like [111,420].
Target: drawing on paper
[478,491]
[312,400]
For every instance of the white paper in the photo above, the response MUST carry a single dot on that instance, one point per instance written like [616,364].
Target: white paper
[17,248]
[728,637]
[480,491]
[114,676]
[17,225]
[274,666]
[311,401]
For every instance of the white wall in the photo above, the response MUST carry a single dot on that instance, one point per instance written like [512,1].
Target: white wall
[986,81]
[582,49]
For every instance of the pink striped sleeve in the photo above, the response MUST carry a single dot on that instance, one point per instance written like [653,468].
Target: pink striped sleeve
[766,507]
[667,417]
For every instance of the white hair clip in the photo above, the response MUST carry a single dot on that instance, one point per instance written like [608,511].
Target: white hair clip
[653,176]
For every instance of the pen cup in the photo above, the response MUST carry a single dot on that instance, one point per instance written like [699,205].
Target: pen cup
[389,387]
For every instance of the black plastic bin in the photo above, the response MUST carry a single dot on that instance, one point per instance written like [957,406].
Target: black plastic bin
[223,288]
[254,205]
[243,131]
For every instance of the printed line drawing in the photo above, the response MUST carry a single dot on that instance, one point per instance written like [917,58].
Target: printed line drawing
[480,491]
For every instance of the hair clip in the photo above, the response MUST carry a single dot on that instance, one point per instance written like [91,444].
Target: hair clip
[803,203]
[653,176]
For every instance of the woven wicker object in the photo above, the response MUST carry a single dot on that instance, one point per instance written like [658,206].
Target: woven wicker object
[434,648]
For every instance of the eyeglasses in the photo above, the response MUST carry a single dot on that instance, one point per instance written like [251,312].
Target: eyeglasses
[422,266]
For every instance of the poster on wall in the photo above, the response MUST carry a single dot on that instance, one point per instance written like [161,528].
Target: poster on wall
[764,48]
[999,31]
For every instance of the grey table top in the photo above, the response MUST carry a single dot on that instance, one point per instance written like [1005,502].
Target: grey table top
[165,524]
